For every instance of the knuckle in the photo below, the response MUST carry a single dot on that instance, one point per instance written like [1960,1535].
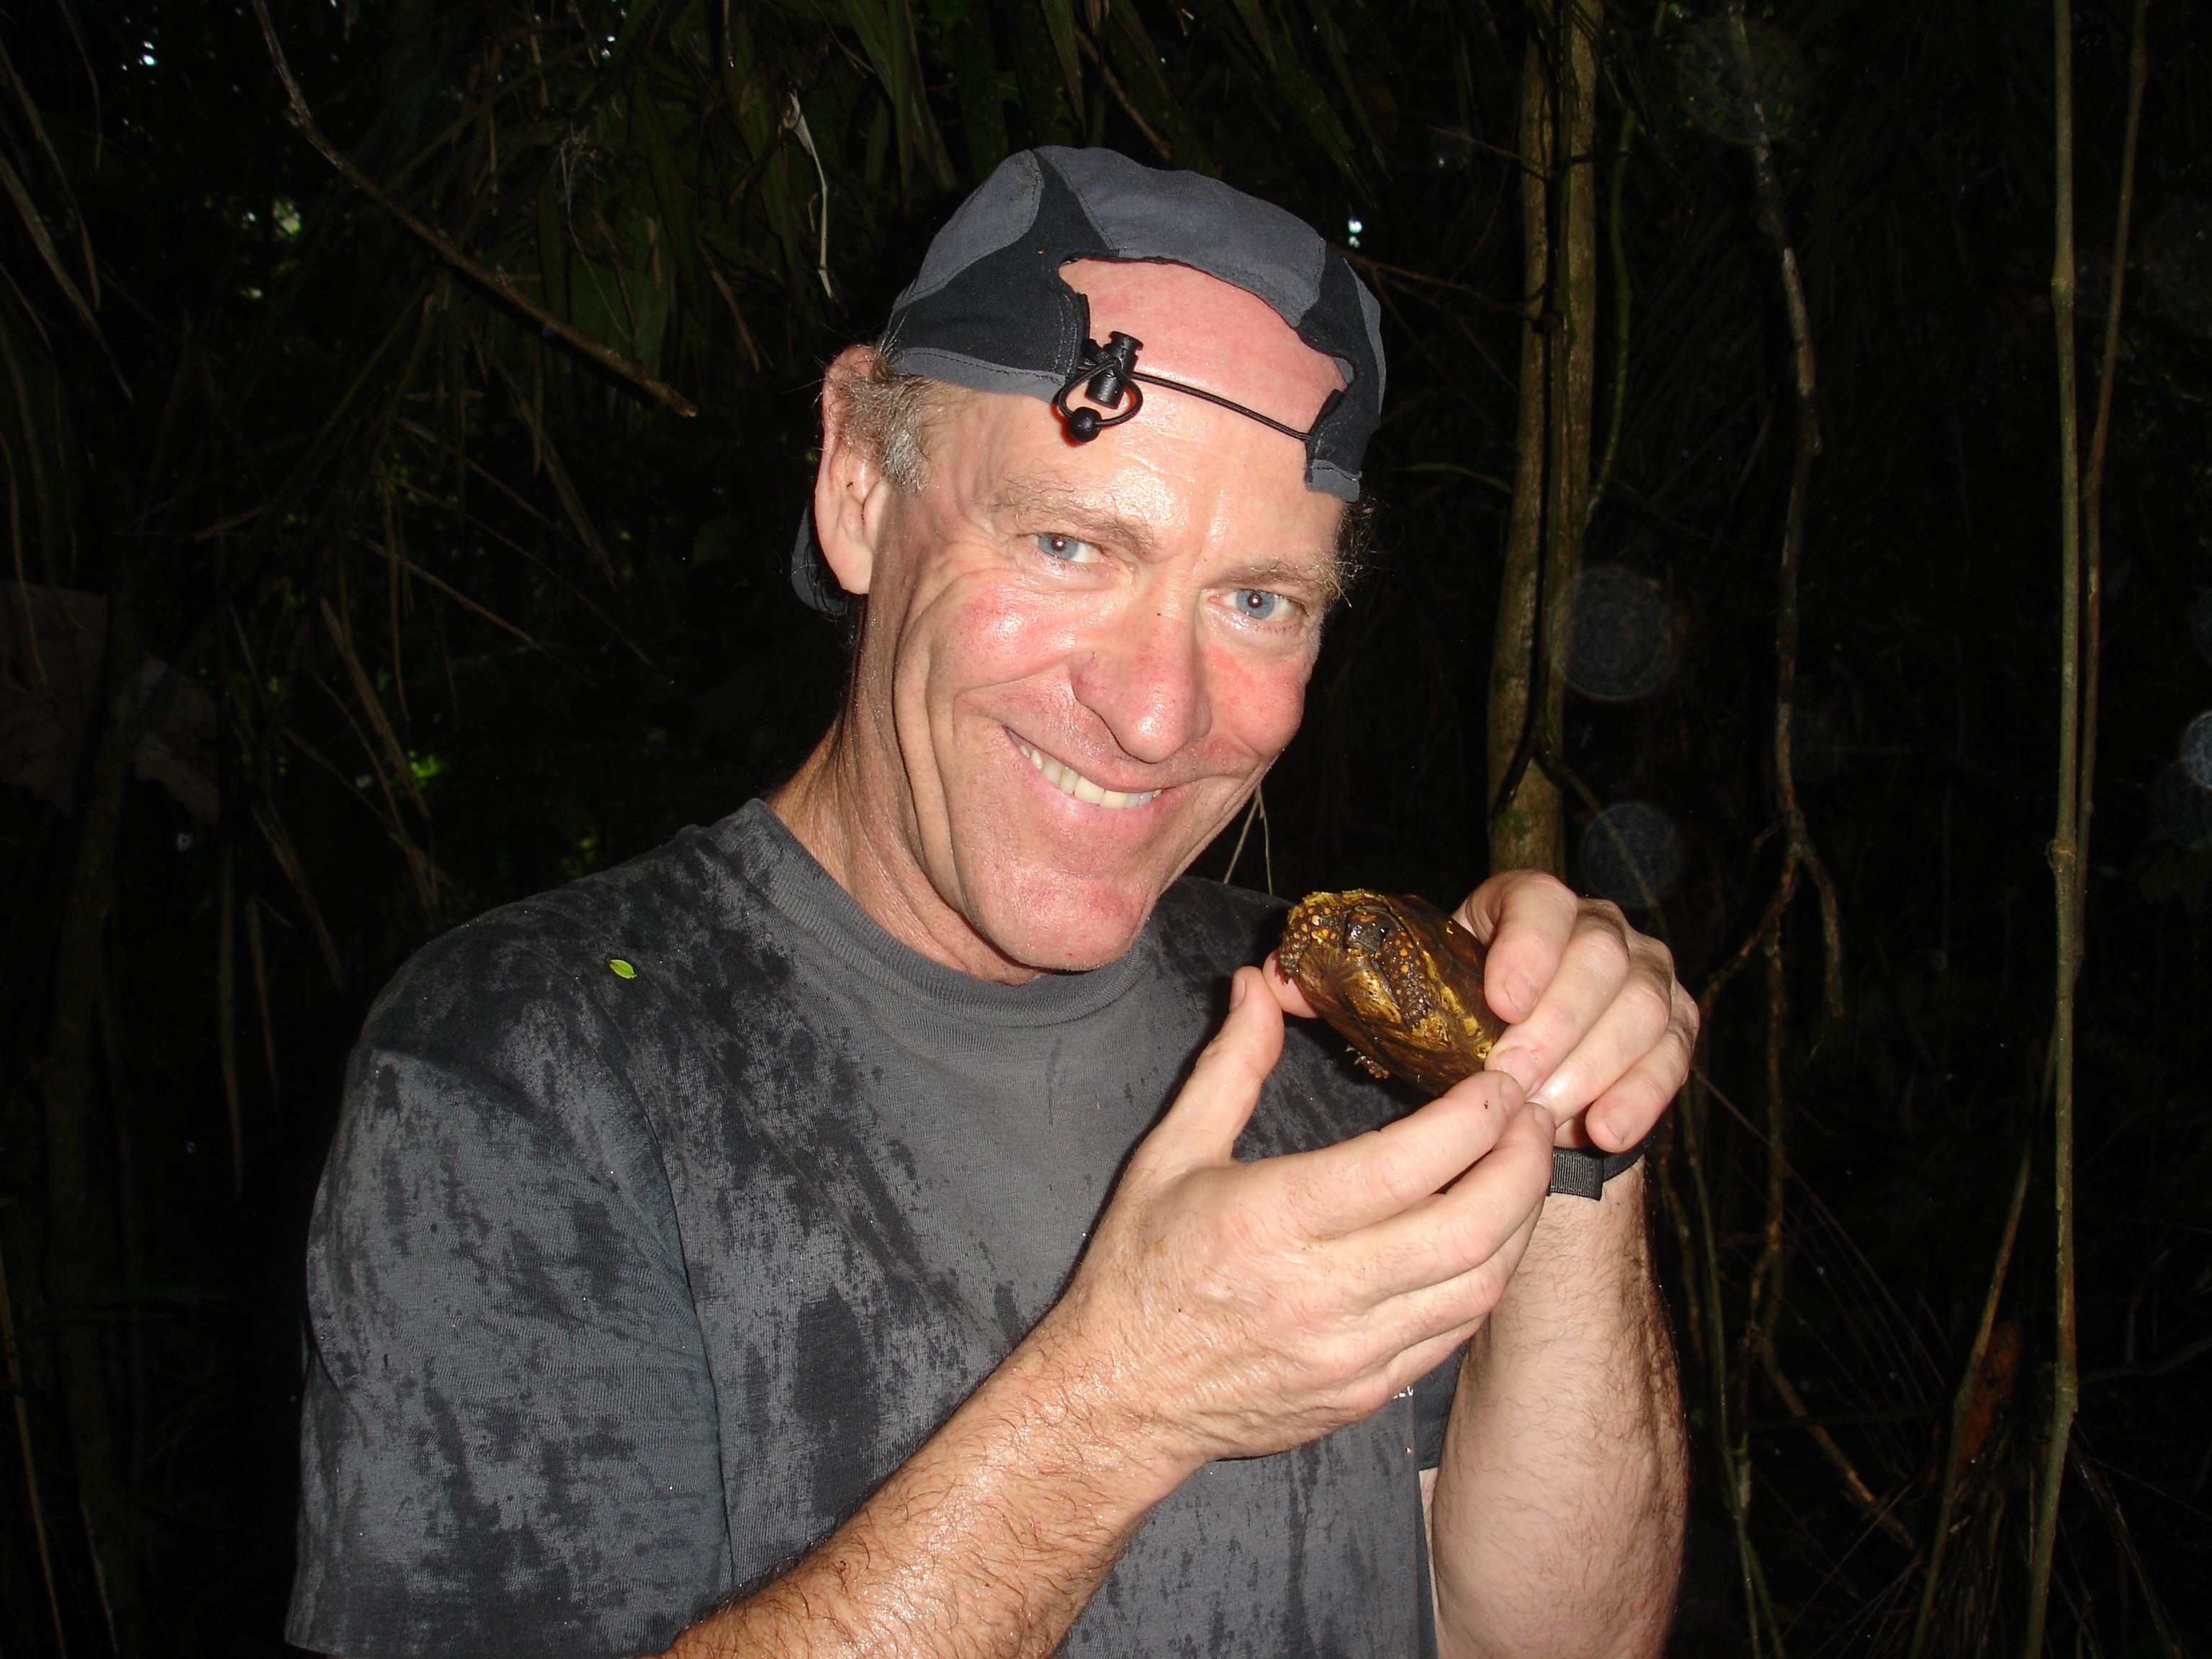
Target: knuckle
[1610,946]
[1604,913]
[1647,1002]
[1478,1294]
[1401,1174]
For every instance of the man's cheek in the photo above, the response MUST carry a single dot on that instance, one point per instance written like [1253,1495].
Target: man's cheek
[994,635]
[1263,702]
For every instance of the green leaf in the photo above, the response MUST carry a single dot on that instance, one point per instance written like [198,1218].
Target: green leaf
[976,84]
[1060,23]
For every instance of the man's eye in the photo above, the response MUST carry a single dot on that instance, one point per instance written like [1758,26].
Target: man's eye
[1070,550]
[1258,604]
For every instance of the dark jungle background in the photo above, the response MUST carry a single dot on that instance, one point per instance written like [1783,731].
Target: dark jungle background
[394,531]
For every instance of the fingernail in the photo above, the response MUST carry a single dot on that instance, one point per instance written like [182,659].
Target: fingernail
[1238,987]
[1517,1064]
[1524,991]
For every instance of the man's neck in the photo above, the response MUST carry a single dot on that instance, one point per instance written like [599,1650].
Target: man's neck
[869,853]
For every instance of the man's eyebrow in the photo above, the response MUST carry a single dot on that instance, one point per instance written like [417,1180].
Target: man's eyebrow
[1318,575]
[1045,503]
[1029,499]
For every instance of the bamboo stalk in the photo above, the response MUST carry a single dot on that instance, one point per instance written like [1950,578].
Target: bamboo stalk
[2093,483]
[2065,844]
[2082,578]
[1551,472]
[1514,643]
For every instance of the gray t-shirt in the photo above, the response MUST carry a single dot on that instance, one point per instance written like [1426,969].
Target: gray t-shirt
[625,1287]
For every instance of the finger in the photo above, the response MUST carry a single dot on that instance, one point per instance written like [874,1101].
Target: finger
[1291,1000]
[1458,1307]
[1424,1356]
[1634,1102]
[1357,1183]
[1526,919]
[1649,1016]
[1451,1235]
[1600,966]
[1212,1109]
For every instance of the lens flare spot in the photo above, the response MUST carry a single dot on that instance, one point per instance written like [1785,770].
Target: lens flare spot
[1627,635]
[1633,853]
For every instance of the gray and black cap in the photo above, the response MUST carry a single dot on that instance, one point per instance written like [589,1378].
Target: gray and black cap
[989,310]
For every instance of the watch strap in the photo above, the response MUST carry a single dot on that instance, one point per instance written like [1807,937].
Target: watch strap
[1581,1171]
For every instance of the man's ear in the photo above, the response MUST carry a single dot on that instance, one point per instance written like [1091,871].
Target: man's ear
[850,490]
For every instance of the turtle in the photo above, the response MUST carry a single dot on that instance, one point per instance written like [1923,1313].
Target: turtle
[1400,979]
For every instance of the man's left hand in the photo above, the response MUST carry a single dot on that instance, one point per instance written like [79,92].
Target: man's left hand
[1600,1032]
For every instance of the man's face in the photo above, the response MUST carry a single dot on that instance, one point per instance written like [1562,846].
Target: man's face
[1079,660]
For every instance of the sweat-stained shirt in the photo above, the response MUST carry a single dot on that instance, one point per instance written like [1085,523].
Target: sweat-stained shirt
[626,1287]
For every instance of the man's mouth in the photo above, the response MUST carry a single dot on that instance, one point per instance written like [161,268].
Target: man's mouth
[1069,782]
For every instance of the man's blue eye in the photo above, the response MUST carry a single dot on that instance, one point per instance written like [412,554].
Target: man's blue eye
[1068,548]
[1257,605]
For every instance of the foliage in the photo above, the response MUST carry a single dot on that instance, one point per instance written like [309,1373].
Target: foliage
[473,610]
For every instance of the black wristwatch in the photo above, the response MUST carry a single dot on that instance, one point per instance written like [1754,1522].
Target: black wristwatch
[1581,1172]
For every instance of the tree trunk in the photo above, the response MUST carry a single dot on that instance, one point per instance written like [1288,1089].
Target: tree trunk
[1550,480]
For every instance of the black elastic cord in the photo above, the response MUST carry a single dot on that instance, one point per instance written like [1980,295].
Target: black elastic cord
[1106,376]
[1214,397]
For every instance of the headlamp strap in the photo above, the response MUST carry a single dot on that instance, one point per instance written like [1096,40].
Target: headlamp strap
[1109,373]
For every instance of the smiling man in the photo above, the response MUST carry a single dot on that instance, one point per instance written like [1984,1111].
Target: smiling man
[899,1219]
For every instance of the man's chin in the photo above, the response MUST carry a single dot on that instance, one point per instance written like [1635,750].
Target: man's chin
[1072,933]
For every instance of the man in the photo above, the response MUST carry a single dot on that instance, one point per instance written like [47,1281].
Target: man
[897,1220]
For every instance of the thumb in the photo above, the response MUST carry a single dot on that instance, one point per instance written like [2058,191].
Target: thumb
[1216,1103]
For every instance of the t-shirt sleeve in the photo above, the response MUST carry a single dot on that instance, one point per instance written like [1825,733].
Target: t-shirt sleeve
[508,1437]
[1432,1404]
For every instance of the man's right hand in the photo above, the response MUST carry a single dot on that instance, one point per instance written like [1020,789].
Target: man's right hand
[1231,1310]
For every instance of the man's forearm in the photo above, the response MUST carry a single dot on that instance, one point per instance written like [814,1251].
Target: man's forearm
[1556,1524]
[984,1545]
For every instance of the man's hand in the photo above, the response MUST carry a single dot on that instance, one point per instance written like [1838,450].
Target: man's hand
[1223,1309]
[1241,1309]
[1600,1033]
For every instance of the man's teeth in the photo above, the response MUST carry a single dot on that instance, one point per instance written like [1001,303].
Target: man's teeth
[1069,782]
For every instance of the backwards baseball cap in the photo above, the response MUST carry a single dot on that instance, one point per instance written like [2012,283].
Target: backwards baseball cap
[989,310]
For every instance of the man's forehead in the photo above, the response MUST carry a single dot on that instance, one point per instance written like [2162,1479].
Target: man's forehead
[1206,332]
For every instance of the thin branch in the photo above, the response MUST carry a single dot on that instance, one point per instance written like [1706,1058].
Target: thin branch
[1122,97]
[1623,294]
[1962,1406]
[492,282]
[2084,1467]
[2065,850]
[22,1396]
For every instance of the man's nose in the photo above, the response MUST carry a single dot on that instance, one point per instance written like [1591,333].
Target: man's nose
[1145,678]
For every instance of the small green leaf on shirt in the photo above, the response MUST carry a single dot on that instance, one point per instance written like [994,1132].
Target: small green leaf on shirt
[622,969]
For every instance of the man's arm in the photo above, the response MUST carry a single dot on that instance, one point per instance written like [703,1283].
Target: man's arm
[1556,1522]
[1556,1514]
[987,1541]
